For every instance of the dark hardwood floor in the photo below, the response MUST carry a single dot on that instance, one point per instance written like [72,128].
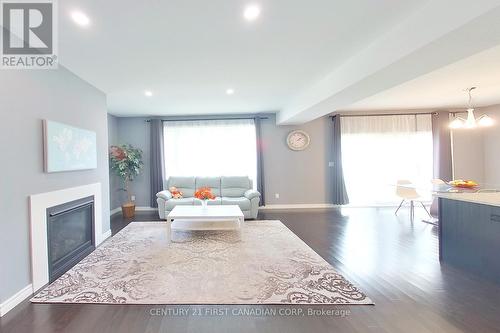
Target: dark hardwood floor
[394,261]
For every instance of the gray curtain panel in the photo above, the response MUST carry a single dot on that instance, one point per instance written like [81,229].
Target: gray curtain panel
[157,159]
[339,191]
[441,137]
[260,162]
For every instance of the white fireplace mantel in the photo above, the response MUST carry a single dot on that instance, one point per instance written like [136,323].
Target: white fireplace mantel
[38,219]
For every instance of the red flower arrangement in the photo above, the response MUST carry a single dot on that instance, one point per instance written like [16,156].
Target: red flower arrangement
[117,153]
[204,193]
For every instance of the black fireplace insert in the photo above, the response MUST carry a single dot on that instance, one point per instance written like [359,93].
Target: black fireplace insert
[70,232]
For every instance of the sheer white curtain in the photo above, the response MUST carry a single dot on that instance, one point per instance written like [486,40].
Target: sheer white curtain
[379,150]
[211,148]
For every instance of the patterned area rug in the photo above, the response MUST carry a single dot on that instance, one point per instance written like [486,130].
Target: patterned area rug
[268,264]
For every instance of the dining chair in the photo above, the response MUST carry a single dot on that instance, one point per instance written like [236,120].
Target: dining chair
[433,210]
[406,192]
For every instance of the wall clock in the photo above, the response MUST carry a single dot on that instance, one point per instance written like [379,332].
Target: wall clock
[298,140]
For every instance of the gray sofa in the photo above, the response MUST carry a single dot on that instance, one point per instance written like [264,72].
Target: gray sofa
[228,191]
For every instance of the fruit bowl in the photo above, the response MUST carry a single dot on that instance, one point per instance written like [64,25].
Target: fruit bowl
[463,183]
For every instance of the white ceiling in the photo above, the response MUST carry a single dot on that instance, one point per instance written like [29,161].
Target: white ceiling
[444,87]
[439,33]
[189,52]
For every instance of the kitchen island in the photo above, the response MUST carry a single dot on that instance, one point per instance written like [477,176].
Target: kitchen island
[469,232]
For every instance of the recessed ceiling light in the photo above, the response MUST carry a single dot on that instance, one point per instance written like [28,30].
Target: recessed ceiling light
[251,12]
[148,93]
[80,18]
[229,91]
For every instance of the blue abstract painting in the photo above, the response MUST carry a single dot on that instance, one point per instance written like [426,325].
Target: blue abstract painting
[68,148]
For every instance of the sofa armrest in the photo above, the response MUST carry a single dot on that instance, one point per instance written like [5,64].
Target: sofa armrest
[165,195]
[250,194]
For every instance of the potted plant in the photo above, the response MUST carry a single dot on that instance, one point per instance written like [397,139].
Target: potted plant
[126,162]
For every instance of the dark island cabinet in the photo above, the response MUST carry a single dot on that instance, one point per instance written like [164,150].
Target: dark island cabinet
[469,237]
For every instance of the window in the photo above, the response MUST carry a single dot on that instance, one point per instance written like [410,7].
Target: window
[379,150]
[211,148]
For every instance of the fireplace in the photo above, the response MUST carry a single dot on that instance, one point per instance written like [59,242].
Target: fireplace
[70,234]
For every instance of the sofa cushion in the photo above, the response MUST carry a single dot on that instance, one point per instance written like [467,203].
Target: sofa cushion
[250,194]
[170,204]
[184,184]
[211,182]
[165,195]
[243,202]
[234,186]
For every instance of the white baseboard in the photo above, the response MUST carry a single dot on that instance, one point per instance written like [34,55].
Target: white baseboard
[114,211]
[388,205]
[11,302]
[284,206]
[327,206]
[138,209]
[106,235]
[298,206]
[145,209]
[27,291]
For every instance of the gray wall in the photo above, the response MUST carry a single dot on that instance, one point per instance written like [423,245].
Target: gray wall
[299,177]
[468,154]
[114,180]
[476,153]
[27,97]
[491,147]
[304,177]
[134,131]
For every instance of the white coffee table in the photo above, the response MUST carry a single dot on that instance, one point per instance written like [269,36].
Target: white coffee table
[217,217]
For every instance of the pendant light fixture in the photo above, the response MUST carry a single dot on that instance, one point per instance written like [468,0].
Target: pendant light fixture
[471,121]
